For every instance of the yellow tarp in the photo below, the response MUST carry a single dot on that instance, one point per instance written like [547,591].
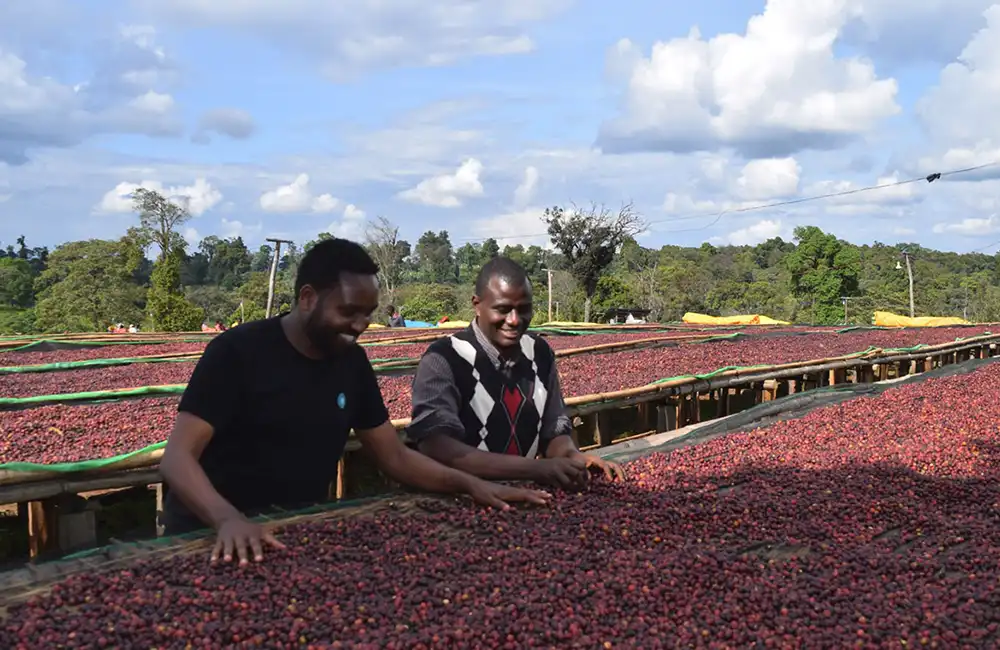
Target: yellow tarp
[746,319]
[454,324]
[571,324]
[376,326]
[888,319]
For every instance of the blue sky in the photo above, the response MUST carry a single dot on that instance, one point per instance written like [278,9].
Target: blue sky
[305,116]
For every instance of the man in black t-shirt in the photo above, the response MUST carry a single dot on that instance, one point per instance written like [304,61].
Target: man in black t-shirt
[267,413]
[487,399]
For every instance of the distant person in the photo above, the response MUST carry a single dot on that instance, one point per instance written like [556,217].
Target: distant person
[219,327]
[267,413]
[487,399]
[395,318]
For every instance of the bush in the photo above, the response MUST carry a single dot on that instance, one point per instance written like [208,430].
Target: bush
[428,302]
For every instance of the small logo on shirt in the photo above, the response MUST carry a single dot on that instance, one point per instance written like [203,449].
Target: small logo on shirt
[341,401]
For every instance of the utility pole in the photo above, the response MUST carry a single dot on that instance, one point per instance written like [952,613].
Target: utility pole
[274,273]
[549,271]
[909,273]
[845,299]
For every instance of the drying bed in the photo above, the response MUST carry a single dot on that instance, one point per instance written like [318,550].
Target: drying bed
[631,368]
[855,526]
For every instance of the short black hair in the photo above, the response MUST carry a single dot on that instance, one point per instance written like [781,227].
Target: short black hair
[322,264]
[503,268]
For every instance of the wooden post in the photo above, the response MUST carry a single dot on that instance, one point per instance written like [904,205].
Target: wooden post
[342,477]
[666,416]
[602,428]
[793,386]
[274,273]
[722,405]
[42,527]
[160,528]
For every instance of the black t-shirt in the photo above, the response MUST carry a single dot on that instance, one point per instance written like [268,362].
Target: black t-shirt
[280,419]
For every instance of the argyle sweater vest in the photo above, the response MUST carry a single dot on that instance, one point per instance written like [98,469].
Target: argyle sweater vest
[501,411]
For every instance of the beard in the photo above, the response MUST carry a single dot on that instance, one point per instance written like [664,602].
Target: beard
[328,340]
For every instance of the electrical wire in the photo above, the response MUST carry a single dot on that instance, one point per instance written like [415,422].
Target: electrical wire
[930,178]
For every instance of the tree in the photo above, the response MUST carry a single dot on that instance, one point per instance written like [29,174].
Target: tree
[169,310]
[15,282]
[823,269]
[159,219]
[88,285]
[435,259]
[389,252]
[589,240]
[429,302]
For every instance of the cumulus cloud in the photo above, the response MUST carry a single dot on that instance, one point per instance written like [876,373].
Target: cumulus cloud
[351,225]
[122,96]
[297,197]
[236,228]
[525,192]
[960,111]
[769,178]
[755,233]
[233,122]
[448,190]
[198,198]
[775,90]
[970,227]
[351,36]
[518,227]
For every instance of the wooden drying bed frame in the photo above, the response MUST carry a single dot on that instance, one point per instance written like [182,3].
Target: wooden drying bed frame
[654,408]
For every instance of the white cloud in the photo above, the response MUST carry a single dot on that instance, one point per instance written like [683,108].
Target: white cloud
[353,212]
[351,36]
[755,233]
[233,122]
[773,91]
[351,225]
[525,192]
[960,112]
[448,190]
[191,236]
[891,197]
[769,178]
[904,232]
[38,111]
[198,198]
[524,227]
[970,227]
[297,197]
[236,228]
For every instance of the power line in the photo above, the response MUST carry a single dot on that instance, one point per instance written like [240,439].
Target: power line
[930,178]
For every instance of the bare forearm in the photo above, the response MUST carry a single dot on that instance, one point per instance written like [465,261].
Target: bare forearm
[417,470]
[561,447]
[485,465]
[184,475]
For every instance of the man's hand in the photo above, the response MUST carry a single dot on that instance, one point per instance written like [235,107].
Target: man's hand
[238,533]
[611,470]
[497,496]
[569,472]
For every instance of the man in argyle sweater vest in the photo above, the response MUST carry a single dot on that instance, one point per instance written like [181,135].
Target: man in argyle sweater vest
[487,399]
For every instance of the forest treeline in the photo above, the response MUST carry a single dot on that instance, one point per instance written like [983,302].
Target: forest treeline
[152,277]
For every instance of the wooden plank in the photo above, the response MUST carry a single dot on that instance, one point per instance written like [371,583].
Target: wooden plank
[602,434]
[43,533]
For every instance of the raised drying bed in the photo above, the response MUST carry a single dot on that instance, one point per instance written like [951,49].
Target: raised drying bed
[851,527]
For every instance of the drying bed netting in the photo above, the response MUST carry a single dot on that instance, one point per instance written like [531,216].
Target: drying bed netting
[40,434]
[591,374]
[632,370]
[102,352]
[870,524]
